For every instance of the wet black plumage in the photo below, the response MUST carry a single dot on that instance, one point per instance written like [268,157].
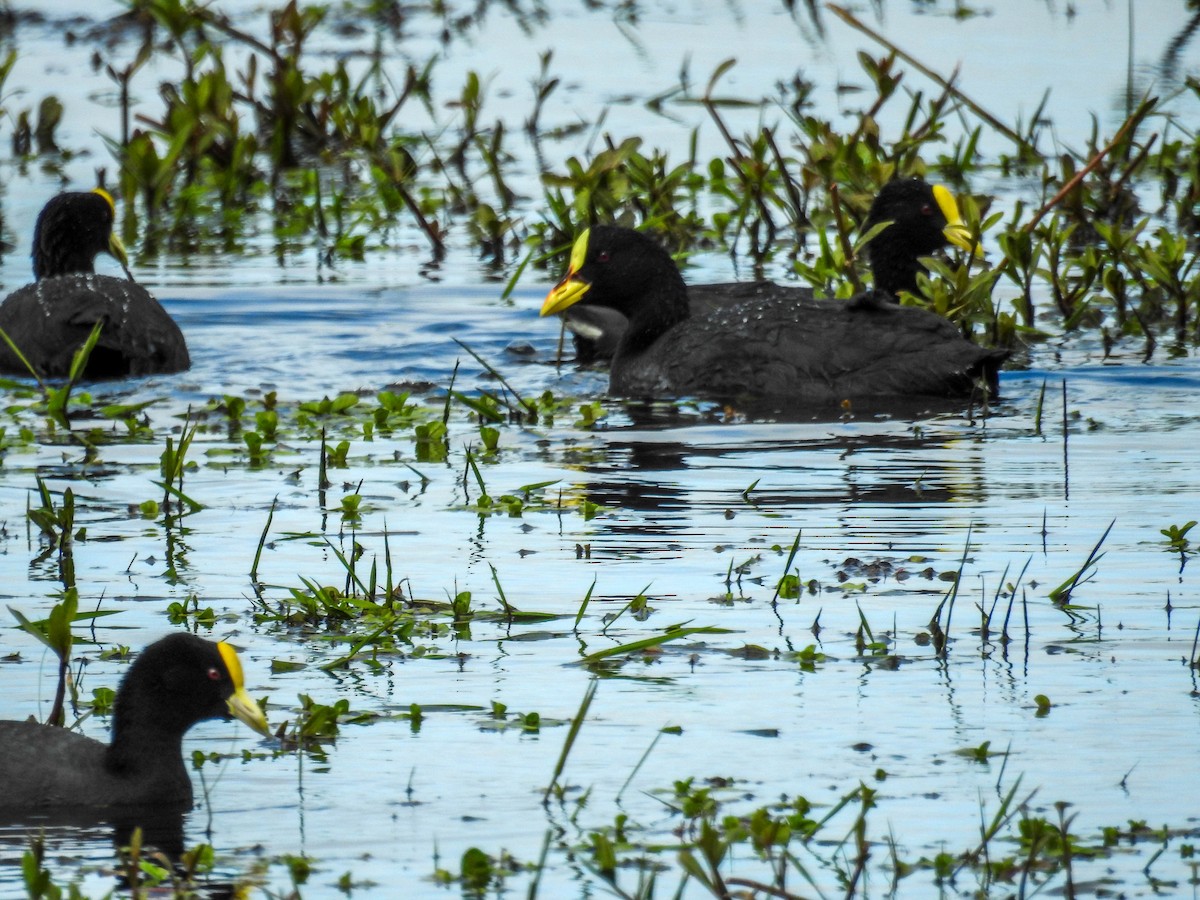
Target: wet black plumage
[173,684]
[922,224]
[50,319]
[596,330]
[779,343]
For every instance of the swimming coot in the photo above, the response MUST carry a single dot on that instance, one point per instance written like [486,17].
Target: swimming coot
[50,319]
[172,684]
[777,343]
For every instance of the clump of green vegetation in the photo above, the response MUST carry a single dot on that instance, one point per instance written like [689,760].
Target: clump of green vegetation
[295,145]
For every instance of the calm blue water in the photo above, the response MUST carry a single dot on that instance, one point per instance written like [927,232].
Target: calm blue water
[885,509]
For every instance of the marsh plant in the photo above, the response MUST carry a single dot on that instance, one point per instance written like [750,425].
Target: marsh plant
[261,133]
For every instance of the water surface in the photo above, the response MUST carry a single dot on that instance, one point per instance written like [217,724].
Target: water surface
[886,507]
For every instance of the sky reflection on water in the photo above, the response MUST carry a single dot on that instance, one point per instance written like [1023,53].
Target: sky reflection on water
[883,507]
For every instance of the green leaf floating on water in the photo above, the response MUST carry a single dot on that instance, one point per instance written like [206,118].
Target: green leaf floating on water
[672,635]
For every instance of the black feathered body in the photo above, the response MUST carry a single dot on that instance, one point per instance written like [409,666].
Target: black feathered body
[43,767]
[598,329]
[789,347]
[634,276]
[171,685]
[49,320]
[766,342]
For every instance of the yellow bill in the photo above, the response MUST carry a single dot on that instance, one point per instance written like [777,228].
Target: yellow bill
[241,705]
[116,246]
[956,232]
[571,289]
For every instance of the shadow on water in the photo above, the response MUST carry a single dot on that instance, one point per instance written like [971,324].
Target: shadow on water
[162,830]
[668,476]
[104,845]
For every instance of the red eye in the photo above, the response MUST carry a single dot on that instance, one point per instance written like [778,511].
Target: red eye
[926,210]
[602,256]
[214,674]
